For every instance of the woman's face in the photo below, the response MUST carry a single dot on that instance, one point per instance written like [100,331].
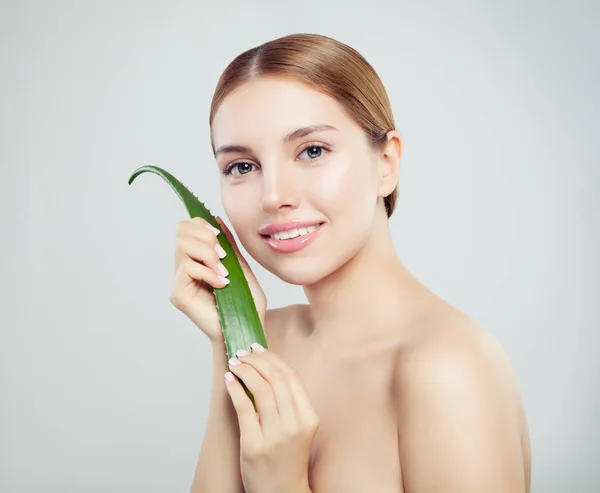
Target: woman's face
[330,176]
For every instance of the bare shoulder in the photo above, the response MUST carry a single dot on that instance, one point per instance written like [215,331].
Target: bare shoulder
[281,322]
[454,346]
[459,409]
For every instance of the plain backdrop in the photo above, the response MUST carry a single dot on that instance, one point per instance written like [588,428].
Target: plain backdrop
[104,385]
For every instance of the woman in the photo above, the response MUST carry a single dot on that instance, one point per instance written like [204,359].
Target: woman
[377,385]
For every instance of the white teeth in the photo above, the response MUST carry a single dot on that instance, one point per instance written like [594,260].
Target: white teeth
[292,233]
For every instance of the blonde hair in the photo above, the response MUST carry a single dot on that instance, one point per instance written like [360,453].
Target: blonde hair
[328,66]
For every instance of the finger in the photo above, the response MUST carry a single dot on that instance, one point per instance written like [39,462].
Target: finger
[193,232]
[247,417]
[248,272]
[262,391]
[231,239]
[189,269]
[197,227]
[198,251]
[300,397]
[200,221]
[277,377]
[203,222]
[227,232]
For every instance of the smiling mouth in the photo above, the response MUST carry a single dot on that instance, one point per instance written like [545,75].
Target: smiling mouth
[293,233]
[297,238]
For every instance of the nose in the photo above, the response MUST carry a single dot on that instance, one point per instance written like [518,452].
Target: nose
[279,191]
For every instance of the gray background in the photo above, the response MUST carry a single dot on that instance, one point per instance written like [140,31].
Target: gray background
[105,385]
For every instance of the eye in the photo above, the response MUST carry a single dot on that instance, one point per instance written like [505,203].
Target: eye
[314,151]
[243,169]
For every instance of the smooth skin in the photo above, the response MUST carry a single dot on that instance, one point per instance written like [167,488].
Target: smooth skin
[410,394]
[275,443]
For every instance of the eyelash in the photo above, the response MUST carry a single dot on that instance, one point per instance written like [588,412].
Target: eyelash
[227,170]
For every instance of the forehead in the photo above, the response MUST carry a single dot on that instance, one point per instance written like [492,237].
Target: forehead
[271,107]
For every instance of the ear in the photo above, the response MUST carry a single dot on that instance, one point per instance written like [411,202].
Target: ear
[390,164]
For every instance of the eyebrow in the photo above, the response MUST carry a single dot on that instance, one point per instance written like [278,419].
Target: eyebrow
[296,134]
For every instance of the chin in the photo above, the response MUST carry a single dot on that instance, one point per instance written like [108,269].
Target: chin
[300,272]
[304,272]
[300,278]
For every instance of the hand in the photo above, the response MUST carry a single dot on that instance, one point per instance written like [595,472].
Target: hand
[275,442]
[197,272]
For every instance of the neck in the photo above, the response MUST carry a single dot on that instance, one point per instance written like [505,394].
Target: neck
[363,299]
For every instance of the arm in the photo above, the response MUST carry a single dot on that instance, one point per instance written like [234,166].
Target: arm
[219,463]
[457,421]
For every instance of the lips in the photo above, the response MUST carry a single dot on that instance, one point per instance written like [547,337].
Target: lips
[278,227]
[294,244]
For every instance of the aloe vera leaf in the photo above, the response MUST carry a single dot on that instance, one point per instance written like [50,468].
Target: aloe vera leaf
[239,317]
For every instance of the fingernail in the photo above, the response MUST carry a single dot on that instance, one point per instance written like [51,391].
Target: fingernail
[235,362]
[220,252]
[229,376]
[242,353]
[221,268]
[213,229]
[224,279]
[257,347]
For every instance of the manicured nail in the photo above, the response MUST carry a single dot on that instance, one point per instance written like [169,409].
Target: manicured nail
[220,252]
[241,353]
[257,347]
[224,279]
[229,377]
[213,229]
[221,268]
[235,362]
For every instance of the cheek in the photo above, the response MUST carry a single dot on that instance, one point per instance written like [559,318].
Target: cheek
[240,201]
[234,207]
[351,205]
[241,213]
[346,190]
